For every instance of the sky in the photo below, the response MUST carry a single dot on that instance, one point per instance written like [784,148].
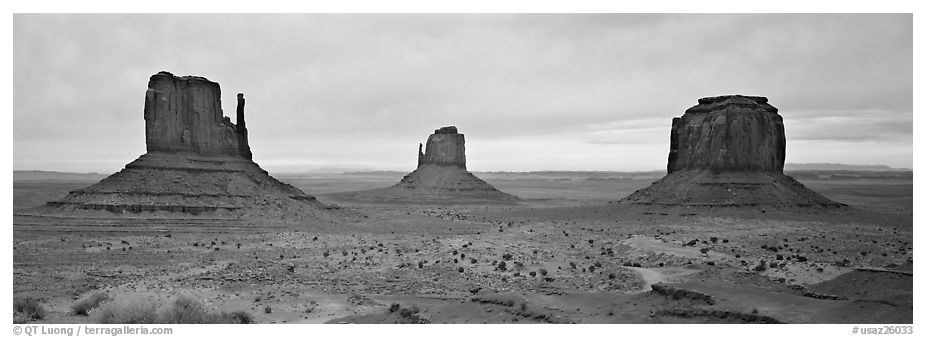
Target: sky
[530,91]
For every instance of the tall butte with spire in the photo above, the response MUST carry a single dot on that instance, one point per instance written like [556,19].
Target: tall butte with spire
[441,177]
[728,151]
[197,162]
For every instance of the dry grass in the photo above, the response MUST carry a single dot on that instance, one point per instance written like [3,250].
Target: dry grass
[132,312]
[88,303]
[26,309]
[184,310]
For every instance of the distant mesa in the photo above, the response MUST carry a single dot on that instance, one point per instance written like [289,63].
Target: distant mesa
[728,151]
[197,162]
[440,178]
[841,167]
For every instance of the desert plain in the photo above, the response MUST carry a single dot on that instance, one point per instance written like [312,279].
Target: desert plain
[566,252]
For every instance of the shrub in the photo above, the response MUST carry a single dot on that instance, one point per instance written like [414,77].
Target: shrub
[88,303]
[19,318]
[533,273]
[543,272]
[762,266]
[28,307]
[408,312]
[394,307]
[502,266]
[185,310]
[240,317]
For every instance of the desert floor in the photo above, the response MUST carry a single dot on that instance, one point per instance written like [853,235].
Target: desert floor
[568,253]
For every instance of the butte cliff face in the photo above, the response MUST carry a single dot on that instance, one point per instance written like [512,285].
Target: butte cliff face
[728,133]
[446,147]
[728,151]
[197,162]
[184,114]
[441,177]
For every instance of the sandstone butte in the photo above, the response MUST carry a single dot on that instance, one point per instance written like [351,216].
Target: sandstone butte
[197,162]
[440,178]
[728,151]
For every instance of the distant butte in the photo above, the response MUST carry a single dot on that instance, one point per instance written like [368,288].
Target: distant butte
[728,151]
[197,162]
[441,177]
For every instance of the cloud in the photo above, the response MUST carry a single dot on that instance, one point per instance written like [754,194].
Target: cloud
[853,126]
[360,88]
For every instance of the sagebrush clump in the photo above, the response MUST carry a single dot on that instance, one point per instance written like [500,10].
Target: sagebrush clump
[88,303]
[184,310]
[26,309]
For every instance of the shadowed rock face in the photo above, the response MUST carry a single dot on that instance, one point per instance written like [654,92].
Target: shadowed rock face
[445,147]
[728,133]
[728,151]
[184,114]
[197,162]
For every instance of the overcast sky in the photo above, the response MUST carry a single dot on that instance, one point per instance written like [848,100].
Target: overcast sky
[531,92]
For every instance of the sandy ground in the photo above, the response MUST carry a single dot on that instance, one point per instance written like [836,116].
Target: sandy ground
[541,261]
